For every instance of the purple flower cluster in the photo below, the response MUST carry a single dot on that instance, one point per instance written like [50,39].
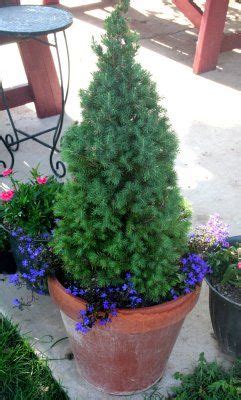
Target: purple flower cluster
[35,265]
[193,271]
[212,235]
[102,303]
[16,303]
[14,280]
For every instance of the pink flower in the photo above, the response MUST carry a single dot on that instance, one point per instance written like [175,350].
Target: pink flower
[7,172]
[7,195]
[42,180]
[239,265]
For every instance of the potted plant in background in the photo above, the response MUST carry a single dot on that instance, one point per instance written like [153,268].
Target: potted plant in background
[127,280]
[27,219]
[223,254]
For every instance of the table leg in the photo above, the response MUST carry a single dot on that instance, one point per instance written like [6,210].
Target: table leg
[210,35]
[42,77]
[12,141]
[190,9]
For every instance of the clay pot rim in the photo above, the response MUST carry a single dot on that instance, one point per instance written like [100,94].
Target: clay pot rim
[166,306]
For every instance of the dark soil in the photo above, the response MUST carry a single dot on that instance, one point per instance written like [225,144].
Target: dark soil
[231,292]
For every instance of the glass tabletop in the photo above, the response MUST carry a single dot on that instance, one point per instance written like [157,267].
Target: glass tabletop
[33,20]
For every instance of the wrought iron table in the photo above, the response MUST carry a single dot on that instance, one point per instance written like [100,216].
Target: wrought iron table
[34,22]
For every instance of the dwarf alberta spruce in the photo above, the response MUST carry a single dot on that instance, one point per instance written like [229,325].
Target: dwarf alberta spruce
[124,209]
[122,230]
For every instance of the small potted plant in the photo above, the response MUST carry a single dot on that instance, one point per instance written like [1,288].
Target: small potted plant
[223,254]
[127,280]
[26,215]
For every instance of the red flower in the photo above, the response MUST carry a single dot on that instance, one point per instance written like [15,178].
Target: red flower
[7,195]
[239,265]
[7,172]
[42,180]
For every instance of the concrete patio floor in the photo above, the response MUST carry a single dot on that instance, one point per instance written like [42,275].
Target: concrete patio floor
[204,111]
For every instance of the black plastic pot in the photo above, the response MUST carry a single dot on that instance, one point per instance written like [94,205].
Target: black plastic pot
[226,317]
[7,262]
[18,257]
[14,243]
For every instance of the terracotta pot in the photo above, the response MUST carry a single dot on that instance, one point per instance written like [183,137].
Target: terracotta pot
[130,354]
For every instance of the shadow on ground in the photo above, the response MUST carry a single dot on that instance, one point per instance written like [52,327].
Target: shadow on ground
[209,172]
[166,31]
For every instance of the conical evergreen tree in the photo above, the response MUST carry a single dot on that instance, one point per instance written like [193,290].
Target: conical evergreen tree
[122,210]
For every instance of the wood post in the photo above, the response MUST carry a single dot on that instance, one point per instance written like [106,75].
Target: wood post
[210,35]
[42,77]
[50,2]
[17,96]
[190,10]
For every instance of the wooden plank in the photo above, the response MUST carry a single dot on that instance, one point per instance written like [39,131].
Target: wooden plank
[231,41]
[8,40]
[17,96]
[190,10]
[42,77]
[9,2]
[50,2]
[210,35]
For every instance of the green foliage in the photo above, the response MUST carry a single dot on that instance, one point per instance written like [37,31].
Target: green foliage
[224,264]
[4,243]
[232,276]
[31,207]
[22,375]
[208,381]
[220,260]
[125,211]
